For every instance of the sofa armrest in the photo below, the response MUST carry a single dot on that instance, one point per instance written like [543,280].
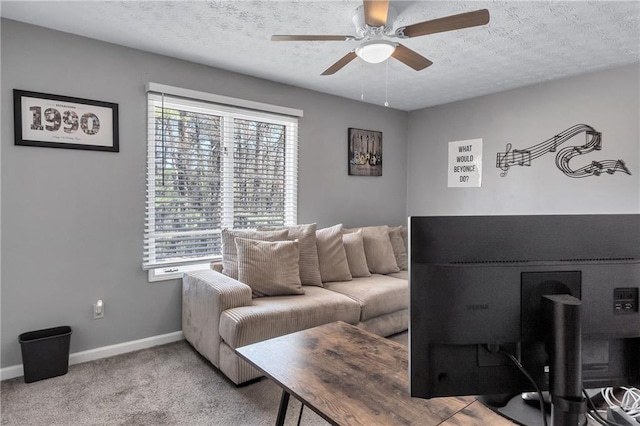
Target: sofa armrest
[205,295]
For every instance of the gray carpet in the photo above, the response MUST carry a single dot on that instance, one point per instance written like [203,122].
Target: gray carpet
[165,385]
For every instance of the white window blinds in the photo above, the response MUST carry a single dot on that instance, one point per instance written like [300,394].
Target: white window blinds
[212,166]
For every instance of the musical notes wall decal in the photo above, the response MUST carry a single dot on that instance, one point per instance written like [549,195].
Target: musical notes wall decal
[523,157]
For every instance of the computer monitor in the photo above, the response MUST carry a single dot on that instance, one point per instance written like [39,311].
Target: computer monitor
[478,287]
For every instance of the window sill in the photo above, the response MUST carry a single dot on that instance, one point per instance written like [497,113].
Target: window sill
[174,272]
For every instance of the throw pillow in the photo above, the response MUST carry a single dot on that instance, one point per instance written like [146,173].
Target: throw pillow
[309,266]
[229,252]
[399,250]
[354,248]
[331,255]
[378,249]
[269,268]
[404,231]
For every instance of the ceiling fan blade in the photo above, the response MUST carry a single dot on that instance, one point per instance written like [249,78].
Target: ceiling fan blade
[448,23]
[411,58]
[311,37]
[341,63]
[375,12]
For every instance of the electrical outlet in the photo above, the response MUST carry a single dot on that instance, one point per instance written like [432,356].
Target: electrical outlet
[98,309]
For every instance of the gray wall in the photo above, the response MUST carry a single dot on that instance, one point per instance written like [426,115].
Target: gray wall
[72,220]
[606,100]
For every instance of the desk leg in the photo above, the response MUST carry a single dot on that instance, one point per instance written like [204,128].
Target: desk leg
[282,410]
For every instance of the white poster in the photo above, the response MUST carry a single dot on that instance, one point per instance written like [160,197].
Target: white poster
[465,164]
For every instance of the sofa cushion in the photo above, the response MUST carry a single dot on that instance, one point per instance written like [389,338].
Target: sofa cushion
[331,255]
[269,268]
[309,267]
[403,275]
[377,294]
[357,260]
[270,317]
[386,325]
[399,249]
[229,251]
[378,249]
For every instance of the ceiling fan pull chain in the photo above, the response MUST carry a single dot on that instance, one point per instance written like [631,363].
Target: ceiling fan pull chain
[386,85]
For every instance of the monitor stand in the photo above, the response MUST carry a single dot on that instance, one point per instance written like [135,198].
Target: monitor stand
[519,410]
[562,313]
[524,409]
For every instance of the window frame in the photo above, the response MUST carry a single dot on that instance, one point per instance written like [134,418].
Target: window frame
[228,109]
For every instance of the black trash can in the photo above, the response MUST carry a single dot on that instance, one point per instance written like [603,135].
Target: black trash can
[45,353]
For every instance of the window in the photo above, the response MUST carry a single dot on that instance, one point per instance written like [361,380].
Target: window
[213,166]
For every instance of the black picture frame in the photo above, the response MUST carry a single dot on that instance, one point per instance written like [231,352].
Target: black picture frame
[364,152]
[55,121]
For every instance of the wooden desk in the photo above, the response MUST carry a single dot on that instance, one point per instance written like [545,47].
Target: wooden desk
[351,377]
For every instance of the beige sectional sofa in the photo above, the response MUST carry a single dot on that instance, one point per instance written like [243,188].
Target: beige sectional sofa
[221,313]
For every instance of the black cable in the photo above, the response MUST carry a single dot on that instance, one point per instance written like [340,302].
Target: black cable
[594,411]
[535,385]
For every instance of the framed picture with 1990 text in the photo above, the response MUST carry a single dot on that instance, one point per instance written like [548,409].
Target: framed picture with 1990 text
[55,121]
[365,152]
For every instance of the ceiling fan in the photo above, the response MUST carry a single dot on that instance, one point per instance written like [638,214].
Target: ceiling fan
[374,24]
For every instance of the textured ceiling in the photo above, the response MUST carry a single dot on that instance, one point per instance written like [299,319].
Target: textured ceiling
[526,42]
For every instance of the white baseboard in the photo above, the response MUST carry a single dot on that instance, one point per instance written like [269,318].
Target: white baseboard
[103,352]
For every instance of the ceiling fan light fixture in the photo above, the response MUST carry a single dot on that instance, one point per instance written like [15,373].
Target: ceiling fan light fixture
[375,51]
